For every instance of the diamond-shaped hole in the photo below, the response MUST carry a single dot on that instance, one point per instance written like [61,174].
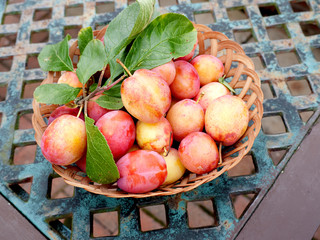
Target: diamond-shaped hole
[24,155]
[22,188]
[105,224]
[164,3]
[244,36]
[104,7]
[305,115]
[310,28]
[42,14]
[268,10]
[9,18]
[3,92]
[202,214]
[273,124]
[241,202]
[277,154]
[268,91]
[258,62]
[204,17]
[29,87]
[235,14]
[58,188]
[244,168]
[299,87]
[278,32]
[39,36]
[32,61]
[24,120]
[72,30]
[286,59]
[7,40]
[199,1]
[300,6]
[316,53]
[316,235]
[6,63]
[74,10]
[62,225]
[152,217]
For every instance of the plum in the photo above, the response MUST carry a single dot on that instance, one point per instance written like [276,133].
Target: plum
[119,130]
[94,110]
[146,96]
[141,171]
[186,83]
[210,92]
[167,71]
[82,163]
[186,116]
[209,68]
[226,119]
[62,110]
[198,152]
[65,140]
[71,79]
[154,136]
[175,168]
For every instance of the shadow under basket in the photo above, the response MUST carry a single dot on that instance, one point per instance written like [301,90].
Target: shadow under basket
[240,73]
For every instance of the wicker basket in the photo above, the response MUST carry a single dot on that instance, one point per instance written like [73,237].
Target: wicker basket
[245,80]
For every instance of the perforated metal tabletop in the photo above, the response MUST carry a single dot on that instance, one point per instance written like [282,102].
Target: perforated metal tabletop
[283,39]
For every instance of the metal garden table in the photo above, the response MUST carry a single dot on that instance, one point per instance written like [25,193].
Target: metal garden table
[250,22]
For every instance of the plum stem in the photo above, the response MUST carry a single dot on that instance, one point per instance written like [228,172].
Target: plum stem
[81,107]
[224,82]
[101,75]
[124,67]
[199,98]
[220,154]
[166,150]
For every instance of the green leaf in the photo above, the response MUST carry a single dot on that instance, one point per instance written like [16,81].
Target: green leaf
[125,27]
[168,36]
[109,102]
[85,35]
[93,87]
[56,57]
[55,93]
[115,91]
[100,167]
[91,61]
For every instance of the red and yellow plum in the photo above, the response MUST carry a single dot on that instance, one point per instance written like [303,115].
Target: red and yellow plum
[209,68]
[210,92]
[175,168]
[71,79]
[167,71]
[186,116]
[186,83]
[119,130]
[95,111]
[65,140]
[198,152]
[154,136]
[62,110]
[226,119]
[146,96]
[141,171]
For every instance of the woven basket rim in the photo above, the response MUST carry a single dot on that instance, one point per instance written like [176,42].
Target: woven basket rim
[232,52]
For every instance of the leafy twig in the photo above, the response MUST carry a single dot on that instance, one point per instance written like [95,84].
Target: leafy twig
[98,89]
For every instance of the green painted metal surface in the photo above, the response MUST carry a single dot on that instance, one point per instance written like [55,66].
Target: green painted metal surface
[300,41]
